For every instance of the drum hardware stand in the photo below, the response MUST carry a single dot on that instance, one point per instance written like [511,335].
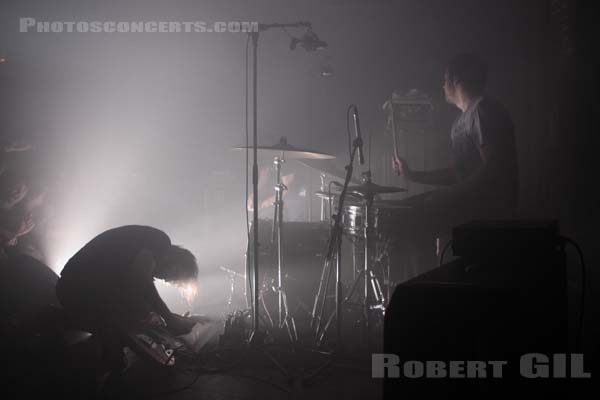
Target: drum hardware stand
[255,326]
[324,214]
[231,276]
[334,250]
[373,297]
[256,339]
[357,254]
[386,268]
[267,315]
[255,336]
[248,291]
[370,282]
[284,317]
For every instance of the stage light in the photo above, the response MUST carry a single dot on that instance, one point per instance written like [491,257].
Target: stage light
[187,290]
[64,246]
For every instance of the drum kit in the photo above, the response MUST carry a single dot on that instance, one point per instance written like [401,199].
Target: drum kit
[360,218]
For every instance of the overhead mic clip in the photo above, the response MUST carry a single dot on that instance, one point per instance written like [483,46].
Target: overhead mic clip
[309,42]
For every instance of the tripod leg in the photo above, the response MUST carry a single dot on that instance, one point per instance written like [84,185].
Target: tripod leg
[354,286]
[277,364]
[262,302]
[338,296]
[387,280]
[280,255]
[380,290]
[318,298]
[321,335]
[377,293]
[248,281]
[288,321]
[324,299]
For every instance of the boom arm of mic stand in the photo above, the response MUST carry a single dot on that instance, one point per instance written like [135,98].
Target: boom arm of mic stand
[264,27]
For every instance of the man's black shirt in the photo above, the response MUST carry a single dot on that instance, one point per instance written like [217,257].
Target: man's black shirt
[486,123]
[107,258]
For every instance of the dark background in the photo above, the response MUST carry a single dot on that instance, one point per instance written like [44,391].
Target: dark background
[136,128]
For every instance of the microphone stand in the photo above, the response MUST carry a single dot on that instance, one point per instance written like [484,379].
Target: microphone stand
[255,336]
[334,246]
[257,339]
[255,325]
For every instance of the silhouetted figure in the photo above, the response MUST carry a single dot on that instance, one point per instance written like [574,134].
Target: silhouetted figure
[108,284]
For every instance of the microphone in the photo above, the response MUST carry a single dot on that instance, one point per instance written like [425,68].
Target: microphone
[359,141]
[309,42]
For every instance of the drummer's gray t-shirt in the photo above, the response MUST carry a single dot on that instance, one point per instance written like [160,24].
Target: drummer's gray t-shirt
[486,123]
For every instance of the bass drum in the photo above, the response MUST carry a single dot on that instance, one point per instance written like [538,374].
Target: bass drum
[304,246]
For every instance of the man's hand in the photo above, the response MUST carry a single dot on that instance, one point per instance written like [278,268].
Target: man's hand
[154,319]
[401,167]
[200,319]
[179,325]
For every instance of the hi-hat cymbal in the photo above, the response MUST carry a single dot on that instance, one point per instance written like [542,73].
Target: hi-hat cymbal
[328,166]
[288,152]
[370,189]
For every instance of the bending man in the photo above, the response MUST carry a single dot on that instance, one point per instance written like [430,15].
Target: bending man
[109,283]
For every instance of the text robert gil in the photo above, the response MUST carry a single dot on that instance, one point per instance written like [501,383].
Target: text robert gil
[531,365]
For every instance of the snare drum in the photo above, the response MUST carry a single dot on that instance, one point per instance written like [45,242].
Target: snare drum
[353,220]
[387,218]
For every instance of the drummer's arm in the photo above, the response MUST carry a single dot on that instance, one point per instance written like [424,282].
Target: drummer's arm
[490,171]
[437,177]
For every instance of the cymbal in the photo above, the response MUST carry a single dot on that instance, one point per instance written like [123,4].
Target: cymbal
[289,152]
[327,166]
[232,272]
[391,204]
[325,195]
[370,189]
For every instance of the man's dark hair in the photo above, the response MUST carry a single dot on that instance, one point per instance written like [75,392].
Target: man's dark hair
[470,70]
[183,264]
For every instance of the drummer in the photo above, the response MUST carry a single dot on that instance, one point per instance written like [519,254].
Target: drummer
[294,197]
[483,181]
[296,201]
